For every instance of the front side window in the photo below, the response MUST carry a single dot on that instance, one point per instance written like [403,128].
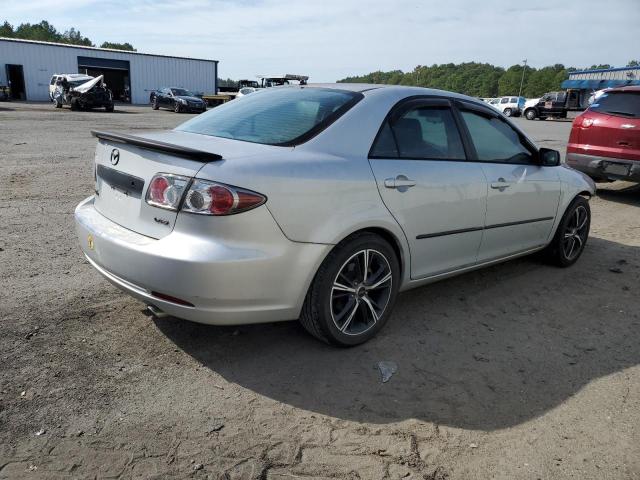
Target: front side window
[504,100]
[181,92]
[623,104]
[494,140]
[421,133]
[276,116]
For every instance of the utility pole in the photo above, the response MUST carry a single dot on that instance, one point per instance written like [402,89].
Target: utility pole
[522,79]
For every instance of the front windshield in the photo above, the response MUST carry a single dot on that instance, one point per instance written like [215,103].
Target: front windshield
[181,92]
[77,83]
[275,116]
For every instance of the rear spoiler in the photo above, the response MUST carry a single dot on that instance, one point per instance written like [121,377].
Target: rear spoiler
[158,146]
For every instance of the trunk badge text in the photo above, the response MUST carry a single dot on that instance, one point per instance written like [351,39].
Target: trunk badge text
[161,220]
[90,241]
[115,156]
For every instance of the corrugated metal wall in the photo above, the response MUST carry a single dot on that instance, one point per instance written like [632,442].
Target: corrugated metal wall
[630,73]
[147,73]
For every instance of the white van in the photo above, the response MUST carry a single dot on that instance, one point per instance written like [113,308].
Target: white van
[74,79]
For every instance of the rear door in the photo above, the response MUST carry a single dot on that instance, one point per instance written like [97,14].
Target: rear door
[617,132]
[164,97]
[523,196]
[437,197]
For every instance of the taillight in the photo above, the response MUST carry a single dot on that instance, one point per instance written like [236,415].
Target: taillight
[166,190]
[587,122]
[212,198]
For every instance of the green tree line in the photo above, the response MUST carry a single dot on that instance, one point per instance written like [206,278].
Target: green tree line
[478,79]
[46,32]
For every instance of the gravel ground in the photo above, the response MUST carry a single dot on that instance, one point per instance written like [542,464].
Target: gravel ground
[519,371]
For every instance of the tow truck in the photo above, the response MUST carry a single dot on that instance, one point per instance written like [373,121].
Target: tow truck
[553,104]
[247,86]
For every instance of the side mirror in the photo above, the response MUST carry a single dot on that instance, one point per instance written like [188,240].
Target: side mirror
[549,157]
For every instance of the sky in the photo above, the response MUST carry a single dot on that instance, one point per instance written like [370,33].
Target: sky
[331,39]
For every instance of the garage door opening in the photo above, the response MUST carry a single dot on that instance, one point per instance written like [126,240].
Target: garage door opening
[116,75]
[15,77]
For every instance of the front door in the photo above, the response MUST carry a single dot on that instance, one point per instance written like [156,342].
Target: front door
[523,196]
[437,197]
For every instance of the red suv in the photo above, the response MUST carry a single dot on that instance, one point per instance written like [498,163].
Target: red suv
[605,139]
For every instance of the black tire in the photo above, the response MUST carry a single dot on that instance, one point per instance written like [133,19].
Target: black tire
[108,108]
[507,112]
[74,105]
[345,319]
[154,103]
[530,114]
[572,233]
[58,105]
[176,107]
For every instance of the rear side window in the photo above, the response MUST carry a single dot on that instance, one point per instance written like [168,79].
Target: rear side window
[504,100]
[421,133]
[494,140]
[275,116]
[625,104]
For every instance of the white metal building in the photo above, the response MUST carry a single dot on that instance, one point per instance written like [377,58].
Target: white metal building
[26,66]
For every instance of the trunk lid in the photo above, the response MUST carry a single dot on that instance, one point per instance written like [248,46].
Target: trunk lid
[125,164]
[610,136]
[615,131]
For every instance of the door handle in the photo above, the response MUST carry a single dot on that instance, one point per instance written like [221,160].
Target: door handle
[401,182]
[623,144]
[501,184]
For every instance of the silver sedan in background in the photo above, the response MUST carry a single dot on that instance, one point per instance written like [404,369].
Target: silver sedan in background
[321,203]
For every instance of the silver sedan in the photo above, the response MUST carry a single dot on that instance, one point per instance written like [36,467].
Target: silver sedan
[321,203]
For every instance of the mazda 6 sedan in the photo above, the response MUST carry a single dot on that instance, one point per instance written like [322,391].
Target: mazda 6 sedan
[321,203]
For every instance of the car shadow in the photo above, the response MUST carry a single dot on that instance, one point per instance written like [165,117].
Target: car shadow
[621,192]
[485,351]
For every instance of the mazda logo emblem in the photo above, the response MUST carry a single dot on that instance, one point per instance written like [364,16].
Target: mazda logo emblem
[115,156]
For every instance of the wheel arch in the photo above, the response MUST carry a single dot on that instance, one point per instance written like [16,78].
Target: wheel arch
[585,193]
[398,246]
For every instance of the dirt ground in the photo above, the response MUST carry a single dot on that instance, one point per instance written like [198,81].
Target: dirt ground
[519,371]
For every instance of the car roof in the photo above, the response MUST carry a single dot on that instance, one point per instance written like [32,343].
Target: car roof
[628,88]
[378,89]
[72,75]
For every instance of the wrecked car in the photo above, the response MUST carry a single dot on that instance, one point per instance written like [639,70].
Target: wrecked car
[90,94]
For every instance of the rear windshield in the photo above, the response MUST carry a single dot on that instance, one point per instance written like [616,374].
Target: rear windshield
[626,104]
[275,116]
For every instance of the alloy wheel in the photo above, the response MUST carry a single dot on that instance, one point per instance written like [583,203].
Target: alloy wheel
[575,233]
[361,291]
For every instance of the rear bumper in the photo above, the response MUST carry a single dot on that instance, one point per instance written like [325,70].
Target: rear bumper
[251,274]
[605,168]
